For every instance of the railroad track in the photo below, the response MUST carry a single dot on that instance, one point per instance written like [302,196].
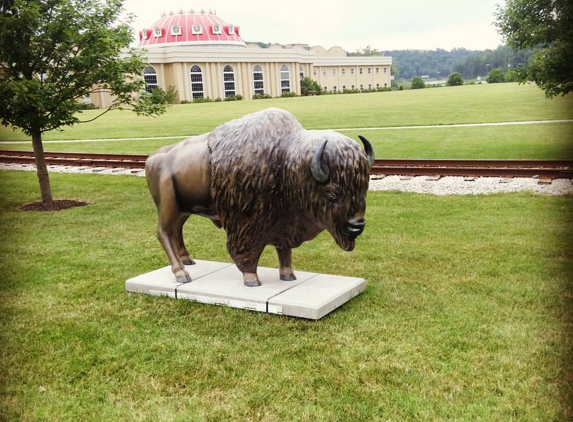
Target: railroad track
[543,169]
[76,159]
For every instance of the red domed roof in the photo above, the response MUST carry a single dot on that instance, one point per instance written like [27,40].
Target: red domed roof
[196,29]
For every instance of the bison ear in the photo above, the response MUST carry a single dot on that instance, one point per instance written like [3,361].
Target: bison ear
[319,170]
[368,149]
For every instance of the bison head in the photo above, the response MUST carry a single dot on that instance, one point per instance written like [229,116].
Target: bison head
[341,172]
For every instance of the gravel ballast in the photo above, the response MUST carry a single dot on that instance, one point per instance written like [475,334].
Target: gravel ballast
[448,185]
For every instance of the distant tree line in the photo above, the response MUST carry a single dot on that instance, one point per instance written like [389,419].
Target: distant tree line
[439,64]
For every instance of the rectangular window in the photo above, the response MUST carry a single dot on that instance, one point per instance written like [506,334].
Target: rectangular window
[323,72]
[334,71]
[314,72]
[343,70]
[352,71]
[360,71]
[369,70]
[377,70]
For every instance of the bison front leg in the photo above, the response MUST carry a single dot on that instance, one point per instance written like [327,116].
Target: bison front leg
[285,264]
[247,261]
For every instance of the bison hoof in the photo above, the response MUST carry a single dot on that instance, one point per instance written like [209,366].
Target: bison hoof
[252,283]
[184,279]
[288,277]
[188,261]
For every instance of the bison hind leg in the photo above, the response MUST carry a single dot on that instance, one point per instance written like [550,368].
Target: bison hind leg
[180,243]
[286,272]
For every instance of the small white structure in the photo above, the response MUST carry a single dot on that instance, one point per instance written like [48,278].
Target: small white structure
[311,296]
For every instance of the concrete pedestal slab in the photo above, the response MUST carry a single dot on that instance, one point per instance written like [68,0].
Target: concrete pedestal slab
[311,296]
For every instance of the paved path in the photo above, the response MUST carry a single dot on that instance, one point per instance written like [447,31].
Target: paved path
[529,122]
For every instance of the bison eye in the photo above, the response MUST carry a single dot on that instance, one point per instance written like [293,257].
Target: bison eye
[332,196]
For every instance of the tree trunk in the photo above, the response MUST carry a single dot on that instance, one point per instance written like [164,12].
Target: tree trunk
[42,168]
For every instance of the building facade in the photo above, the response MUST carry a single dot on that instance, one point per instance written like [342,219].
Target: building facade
[203,56]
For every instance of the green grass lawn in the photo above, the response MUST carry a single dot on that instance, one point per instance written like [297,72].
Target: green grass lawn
[539,141]
[467,316]
[431,106]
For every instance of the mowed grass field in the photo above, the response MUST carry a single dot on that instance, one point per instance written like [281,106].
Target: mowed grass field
[362,114]
[467,316]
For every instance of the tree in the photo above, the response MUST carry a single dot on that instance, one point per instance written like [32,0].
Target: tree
[547,26]
[307,85]
[495,76]
[418,82]
[455,79]
[53,53]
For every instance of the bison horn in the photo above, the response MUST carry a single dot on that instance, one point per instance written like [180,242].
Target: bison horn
[368,149]
[320,171]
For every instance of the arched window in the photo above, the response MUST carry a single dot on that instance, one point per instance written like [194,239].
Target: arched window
[229,80]
[150,78]
[258,81]
[285,79]
[300,73]
[196,82]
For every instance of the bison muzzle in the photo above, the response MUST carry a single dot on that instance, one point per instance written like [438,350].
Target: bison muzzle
[266,181]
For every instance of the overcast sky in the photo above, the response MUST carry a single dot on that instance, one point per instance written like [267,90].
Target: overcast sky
[352,25]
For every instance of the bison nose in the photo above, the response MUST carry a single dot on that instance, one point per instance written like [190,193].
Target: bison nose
[354,227]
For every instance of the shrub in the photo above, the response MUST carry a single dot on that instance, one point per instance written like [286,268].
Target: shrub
[202,100]
[455,79]
[289,94]
[261,96]
[234,98]
[310,87]
[495,76]
[159,96]
[418,83]
[88,106]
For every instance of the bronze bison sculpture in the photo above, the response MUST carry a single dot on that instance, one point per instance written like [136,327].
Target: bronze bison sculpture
[266,181]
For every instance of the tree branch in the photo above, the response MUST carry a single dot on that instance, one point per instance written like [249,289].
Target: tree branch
[112,107]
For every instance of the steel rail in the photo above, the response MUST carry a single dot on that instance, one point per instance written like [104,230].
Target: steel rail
[76,159]
[406,167]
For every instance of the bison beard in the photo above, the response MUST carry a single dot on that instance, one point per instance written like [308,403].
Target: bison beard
[266,181]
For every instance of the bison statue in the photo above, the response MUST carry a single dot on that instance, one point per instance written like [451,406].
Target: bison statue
[266,181]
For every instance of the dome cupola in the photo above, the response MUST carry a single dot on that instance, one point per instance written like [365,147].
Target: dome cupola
[201,29]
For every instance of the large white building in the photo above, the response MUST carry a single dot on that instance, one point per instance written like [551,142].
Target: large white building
[203,56]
